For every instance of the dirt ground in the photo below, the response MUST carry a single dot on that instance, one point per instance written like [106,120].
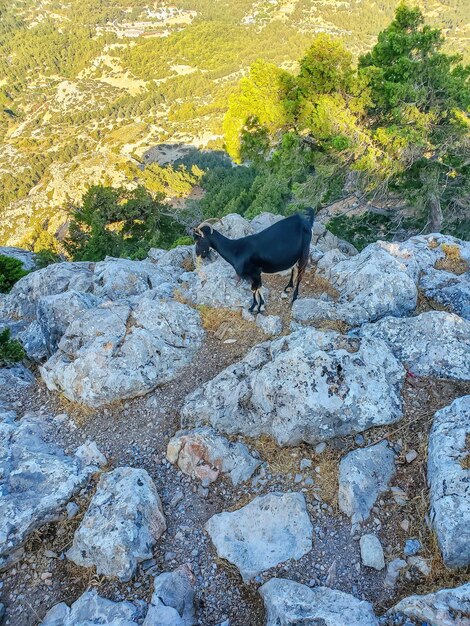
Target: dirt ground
[136,433]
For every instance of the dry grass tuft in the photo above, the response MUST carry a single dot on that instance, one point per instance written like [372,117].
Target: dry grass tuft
[179,297]
[433,243]
[328,476]
[338,325]
[225,323]
[280,460]
[188,265]
[453,261]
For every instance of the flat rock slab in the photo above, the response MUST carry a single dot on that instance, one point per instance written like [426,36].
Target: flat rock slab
[308,386]
[435,343]
[363,475]
[118,351]
[90,608]
[37,479]
[269,530]
[123,522]
[449,481]
[446,607]
[203,454]
[289,603]
[172,602]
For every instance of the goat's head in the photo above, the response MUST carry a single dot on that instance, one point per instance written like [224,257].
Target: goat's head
[200,234]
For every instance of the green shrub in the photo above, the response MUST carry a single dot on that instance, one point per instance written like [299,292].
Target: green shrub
[11,270]
[11,351]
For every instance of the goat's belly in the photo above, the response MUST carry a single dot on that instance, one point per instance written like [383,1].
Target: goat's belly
[269,268]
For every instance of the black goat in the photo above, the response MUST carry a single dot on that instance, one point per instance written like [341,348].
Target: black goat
[284,245]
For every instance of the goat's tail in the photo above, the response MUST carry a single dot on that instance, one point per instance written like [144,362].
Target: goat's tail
[310,216]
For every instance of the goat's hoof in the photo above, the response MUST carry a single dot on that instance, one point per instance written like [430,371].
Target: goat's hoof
[262,309]
[284,295]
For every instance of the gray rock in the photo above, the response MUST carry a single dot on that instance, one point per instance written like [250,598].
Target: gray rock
[289,603]
[172,601]
[89,454]
[371,285]
[421,564]
[412,547]
[36,481]
[13,378]
[269,324]
[363,475]
[264,220]
[308,386]
[72,510]
[216,284]
[393,572]
[90,609]
[372,554]
[122,524]
[431,344]
[269,530]
[446,607]
[117,279]
[234,226]
[116,351]
[203,454]
[450,290]
[57,278]
[55,313]
[449,481]
[26,258]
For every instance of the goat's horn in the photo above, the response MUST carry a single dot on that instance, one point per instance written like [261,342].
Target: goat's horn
[207,223]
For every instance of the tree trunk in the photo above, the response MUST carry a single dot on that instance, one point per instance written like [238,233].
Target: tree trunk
[435,214]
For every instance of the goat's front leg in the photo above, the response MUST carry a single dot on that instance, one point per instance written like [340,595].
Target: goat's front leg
[293,278]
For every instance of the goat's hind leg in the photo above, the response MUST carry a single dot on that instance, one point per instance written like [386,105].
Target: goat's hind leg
[302,265]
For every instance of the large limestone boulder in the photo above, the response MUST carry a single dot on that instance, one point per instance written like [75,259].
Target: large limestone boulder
[449,481]
[117,279]
[215,284]
[431,344]
[269,530]
[118,351]
[383,280]
[289,603]
[264,220]
[172,602]
[446,607]
[308,386]
[371,285]
[90,608]
[22,300]
[234,226]
[26,258]
[203,454]
[37,479]
[364,474]
[122,524]
[55,313]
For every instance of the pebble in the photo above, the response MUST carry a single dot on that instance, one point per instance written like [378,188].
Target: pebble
[320,448]
[410,456]
[372,554]
[412,547]
[405,524]
[298,478]
[359,440]
[393,571]
[305,463]
[72,510]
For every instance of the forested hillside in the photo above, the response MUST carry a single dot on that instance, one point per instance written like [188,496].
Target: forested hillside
[88,89]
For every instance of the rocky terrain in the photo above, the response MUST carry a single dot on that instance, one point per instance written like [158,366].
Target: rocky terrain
[168,459]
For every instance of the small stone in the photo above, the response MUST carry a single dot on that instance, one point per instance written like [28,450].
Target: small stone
[308,482]
[320,448]
[372,554]
[412,547]
[410,456]
[405,524]
[420,563]
[304,464]
[359,440]
[298,478]
[393,571]
[72,510]
[46,575]
[50,554]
